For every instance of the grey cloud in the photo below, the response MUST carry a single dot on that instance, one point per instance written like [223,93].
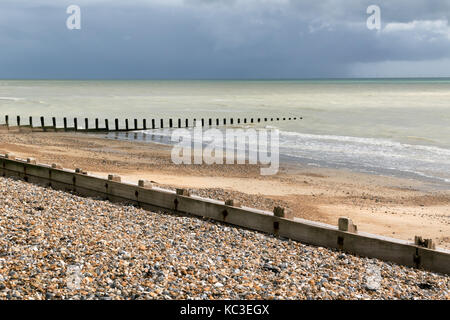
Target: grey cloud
[211,39]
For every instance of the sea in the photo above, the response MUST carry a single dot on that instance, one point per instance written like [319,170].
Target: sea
[393,127]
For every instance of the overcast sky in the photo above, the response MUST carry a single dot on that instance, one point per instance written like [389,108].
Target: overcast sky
[231,39]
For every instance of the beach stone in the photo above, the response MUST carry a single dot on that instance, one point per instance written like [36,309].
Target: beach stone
[130,253]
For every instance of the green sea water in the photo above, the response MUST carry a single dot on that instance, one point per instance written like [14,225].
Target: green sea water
[392,124]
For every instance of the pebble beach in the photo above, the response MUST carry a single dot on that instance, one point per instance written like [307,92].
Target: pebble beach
[57,245]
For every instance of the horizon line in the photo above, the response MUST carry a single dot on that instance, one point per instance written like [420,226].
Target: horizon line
[222,79]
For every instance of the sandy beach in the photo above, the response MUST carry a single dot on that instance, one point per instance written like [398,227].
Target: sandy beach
[394,207]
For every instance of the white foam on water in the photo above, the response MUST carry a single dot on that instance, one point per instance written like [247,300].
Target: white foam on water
[369,154]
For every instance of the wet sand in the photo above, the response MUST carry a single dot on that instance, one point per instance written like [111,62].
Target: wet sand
[394,207]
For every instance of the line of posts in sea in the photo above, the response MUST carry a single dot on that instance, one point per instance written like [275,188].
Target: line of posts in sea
[135,126]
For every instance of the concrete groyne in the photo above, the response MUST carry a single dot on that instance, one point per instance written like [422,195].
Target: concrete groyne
[344,236]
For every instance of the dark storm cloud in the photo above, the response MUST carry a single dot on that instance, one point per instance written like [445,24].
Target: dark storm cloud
[218,39]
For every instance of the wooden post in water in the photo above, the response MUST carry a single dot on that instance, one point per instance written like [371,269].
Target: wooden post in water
[65,123]
[54,123]
[75,124]
[86,124]
[217,122]
[170,123]
[42,123]
[210,122]
[135,124]
[116,122]
[179,123]
[126,124]
[31,122]
[153,123]
[239,120]
[203,122]
[18,121]
[144,124]
[251,120]
[96,124]
[7,121]
[259,120]
[106,125]
[162,123]
[187,123]
[224,121]
[245,120]
[231,121]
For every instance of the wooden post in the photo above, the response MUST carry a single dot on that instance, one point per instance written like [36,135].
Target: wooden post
[75,123]
[7,121]
[31,122]
[54,123]
[224,121]
[126,124]
[116,122]
[162,123]
[239,120]
[187,123]
[86,124]
[170,123]
[179,123]
[231,121]
[42,123]
[251,120]
[265,119]
[106,125]
[135,124]
[18,121]
[217,122]
[144,124]
[65,123]
[96,123]
[245,120]
[203,122]
[259,120]
[153,123]
[210,122]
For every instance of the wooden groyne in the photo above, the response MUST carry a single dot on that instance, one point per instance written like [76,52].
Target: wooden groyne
[53,124]
[344,236]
